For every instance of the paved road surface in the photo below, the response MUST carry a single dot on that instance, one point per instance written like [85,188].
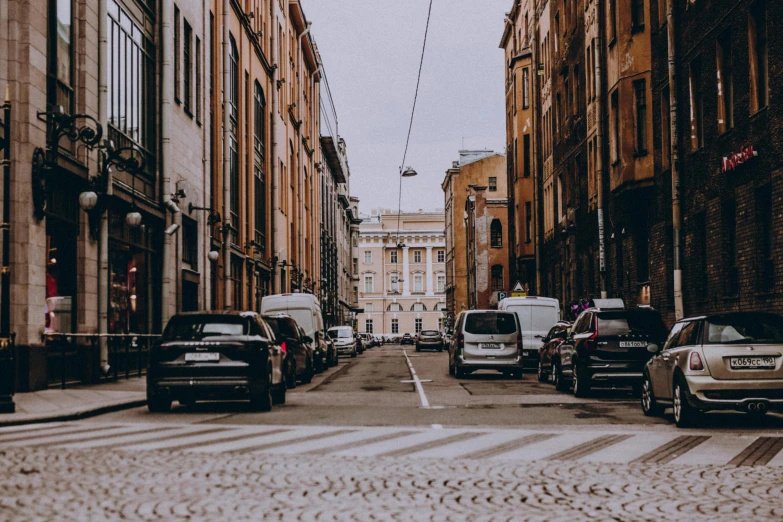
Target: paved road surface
[356,444]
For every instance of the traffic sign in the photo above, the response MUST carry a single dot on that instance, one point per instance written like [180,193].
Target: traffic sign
[518,290]
[501,296]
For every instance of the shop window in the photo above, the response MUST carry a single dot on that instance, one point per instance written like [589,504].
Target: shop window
[61,258]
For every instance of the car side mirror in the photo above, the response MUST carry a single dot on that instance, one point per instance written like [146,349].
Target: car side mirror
[653,348]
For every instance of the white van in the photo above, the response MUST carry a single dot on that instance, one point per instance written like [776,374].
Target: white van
[306,311]
[536,316]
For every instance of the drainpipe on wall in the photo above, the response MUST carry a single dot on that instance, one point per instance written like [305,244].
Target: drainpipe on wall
[675,164]
[226,158]
[538,234]
[273,100]
[600,146]
[103,242]
[166,76]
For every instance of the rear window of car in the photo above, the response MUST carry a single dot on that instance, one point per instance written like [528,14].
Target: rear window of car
[281,326]
[491,324]
[626,322]
[341,333]
[429,332]
[197,327]
[745,329]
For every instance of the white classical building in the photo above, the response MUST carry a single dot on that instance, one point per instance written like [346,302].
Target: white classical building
[402,272]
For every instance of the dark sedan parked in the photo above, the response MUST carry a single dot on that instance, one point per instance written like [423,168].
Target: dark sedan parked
[299,363]
[407,339]
[547,353]
[214,355]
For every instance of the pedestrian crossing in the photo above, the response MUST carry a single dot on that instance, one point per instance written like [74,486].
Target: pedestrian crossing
[555,445]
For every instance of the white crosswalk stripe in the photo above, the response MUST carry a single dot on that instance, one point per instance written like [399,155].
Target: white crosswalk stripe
[675,447]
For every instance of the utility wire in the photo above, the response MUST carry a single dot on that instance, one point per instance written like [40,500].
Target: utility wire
[410,128]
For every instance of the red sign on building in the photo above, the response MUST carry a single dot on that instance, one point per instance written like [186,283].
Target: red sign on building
[733,161]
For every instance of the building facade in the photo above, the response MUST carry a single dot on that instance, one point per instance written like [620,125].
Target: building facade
[163,160]
[476,225]
[662,188]
[402,272]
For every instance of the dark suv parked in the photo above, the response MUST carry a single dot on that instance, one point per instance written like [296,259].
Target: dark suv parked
[215,355]
[299,362]
[608,346]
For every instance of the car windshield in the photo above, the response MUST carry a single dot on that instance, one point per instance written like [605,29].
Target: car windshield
[429,332]
[340,333]
[302,316]
[745,329]
[197,327]
[627,322]
[490,323]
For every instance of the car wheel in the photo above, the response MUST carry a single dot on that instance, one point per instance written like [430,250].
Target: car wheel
[291,376]
[650,406]
[542,377]
[459,373]
[581,383]
[261,399]
[307,378]
[685,415]
[156,404]
[557,378]
[278,394]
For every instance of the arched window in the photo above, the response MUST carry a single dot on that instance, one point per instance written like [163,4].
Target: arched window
[496,233]
[497,278]
[418,307]
[394,307]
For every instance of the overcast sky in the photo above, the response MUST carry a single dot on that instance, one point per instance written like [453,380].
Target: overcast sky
[371,51]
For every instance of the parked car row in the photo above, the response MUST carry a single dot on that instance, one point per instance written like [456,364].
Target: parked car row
[245,355]
[731,361]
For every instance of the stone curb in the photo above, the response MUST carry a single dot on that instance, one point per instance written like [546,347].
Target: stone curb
[79,414]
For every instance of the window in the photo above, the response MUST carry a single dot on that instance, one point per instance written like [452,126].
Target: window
[612,25]
[497,278]
[589,72]
[188,66]
[61,87]
[557,32]
[640,116]
[259,121]
[418,283]
[395,307]
[729,225]
[666,122]
[525,88]
[368,307]
[757,47]
[367,258]
[368,286]
[393,257]
[177,51]
[577,96]
[527,159]
[493,184]
[131,82]
[233,102]
[496,233]
[697,107]
[393,280]
[368,326]
[700,245]
[236,278]
[441,283]
[355,266]
[615,123]
[528,222]
[764,226]
[418,324]
[417,256]
[418,307]
[198,80]
[725,82]
[441,256]
[190,242]
[395,324]
[637,15]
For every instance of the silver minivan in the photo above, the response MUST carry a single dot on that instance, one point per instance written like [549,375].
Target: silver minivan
[486,340]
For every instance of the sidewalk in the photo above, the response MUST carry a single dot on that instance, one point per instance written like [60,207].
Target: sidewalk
[76,403]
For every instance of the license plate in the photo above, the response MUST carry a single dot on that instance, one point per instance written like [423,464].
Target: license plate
[525,354]
[489,346]
[753,363]
[632,344]
[202,357]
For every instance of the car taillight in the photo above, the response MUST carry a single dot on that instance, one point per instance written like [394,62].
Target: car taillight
[282,347]
[591,342]
[695,363]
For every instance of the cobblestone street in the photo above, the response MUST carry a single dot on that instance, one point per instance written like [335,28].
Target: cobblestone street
[94,485]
